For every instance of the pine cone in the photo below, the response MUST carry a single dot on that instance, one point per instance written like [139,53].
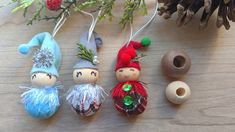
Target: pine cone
[186,9]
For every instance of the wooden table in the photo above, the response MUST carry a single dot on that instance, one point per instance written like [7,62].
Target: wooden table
[211,78]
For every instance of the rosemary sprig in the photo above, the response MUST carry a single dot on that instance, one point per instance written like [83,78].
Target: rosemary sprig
[138,57]
[84,53]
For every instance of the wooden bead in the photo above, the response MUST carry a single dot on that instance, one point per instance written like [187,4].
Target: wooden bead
[43,79]
[176,63]
[178,92]
[85,75]
[127,74]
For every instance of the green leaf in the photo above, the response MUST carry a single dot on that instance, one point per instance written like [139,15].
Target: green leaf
[23,4]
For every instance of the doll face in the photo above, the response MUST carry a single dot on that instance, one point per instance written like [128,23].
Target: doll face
[43,79]
[127,74]
[85,75]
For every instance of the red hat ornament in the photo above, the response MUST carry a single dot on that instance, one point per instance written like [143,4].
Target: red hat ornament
[129,95]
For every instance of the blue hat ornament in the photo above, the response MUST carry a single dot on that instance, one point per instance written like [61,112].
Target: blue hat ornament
[42,99]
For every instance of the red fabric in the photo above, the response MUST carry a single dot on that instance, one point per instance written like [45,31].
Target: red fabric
[126,54]
[138,92]
[136,87]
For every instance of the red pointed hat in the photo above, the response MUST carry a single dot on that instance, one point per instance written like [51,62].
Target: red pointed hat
[127,53]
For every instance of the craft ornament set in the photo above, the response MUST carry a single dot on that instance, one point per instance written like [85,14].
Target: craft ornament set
[85,97]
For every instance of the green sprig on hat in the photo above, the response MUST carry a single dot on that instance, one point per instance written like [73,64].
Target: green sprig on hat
[84,53]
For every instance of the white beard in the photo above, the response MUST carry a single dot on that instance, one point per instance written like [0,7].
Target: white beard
[83,95]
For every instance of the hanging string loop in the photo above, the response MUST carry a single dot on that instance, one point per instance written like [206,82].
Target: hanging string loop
[132,36]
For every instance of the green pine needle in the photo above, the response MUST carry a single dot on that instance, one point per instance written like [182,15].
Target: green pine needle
[87,4]
[106,9]
[130,6]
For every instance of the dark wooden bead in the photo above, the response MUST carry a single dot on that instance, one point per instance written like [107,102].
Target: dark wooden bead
[176,63]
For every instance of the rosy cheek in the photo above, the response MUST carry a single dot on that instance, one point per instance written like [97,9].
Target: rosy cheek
[120,75]
[134,74]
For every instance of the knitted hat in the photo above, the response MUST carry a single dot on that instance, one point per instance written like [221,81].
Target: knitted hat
[88,51]
[127,53]
[47,59]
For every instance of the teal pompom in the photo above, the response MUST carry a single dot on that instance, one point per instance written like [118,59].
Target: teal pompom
[146,41]
[41,103]
[23,49]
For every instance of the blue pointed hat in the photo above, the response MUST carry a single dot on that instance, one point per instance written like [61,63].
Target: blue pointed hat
[47,58]
[91,46]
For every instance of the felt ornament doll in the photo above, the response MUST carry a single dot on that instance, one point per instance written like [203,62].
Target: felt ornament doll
[86,96]
[42,98]
[129,95]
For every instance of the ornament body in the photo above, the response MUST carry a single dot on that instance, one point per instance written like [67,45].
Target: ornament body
[86,99]
[178,92]
[41,103]
[175,63]
[130,97]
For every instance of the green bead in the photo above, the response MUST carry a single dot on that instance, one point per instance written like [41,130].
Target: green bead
[127,87]
[146,41]
[128,100]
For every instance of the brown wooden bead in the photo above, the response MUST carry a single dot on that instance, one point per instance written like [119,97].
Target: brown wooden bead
[176,63]
[178,92]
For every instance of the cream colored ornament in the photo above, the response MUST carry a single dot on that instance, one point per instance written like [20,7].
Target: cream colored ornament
[127,74]
[178,92]
[85,75]
[43,79]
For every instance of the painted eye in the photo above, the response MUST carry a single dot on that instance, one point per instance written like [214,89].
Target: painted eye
[132,69]
[34,76]
[79,74]
[93,73]
[49,75]
[120,70]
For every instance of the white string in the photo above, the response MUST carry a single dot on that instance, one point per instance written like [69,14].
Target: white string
[144,26]
[60,23]
[93,23]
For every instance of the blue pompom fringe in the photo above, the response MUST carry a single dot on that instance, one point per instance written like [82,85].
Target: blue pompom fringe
[41,103]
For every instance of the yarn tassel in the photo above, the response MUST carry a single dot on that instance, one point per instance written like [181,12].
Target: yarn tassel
[41,103]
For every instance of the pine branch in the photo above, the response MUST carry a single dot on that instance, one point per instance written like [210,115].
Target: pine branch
[106,9]
[130,6]
[66,9]
[36,15]
[105,6]
[87,4]
[22,4]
